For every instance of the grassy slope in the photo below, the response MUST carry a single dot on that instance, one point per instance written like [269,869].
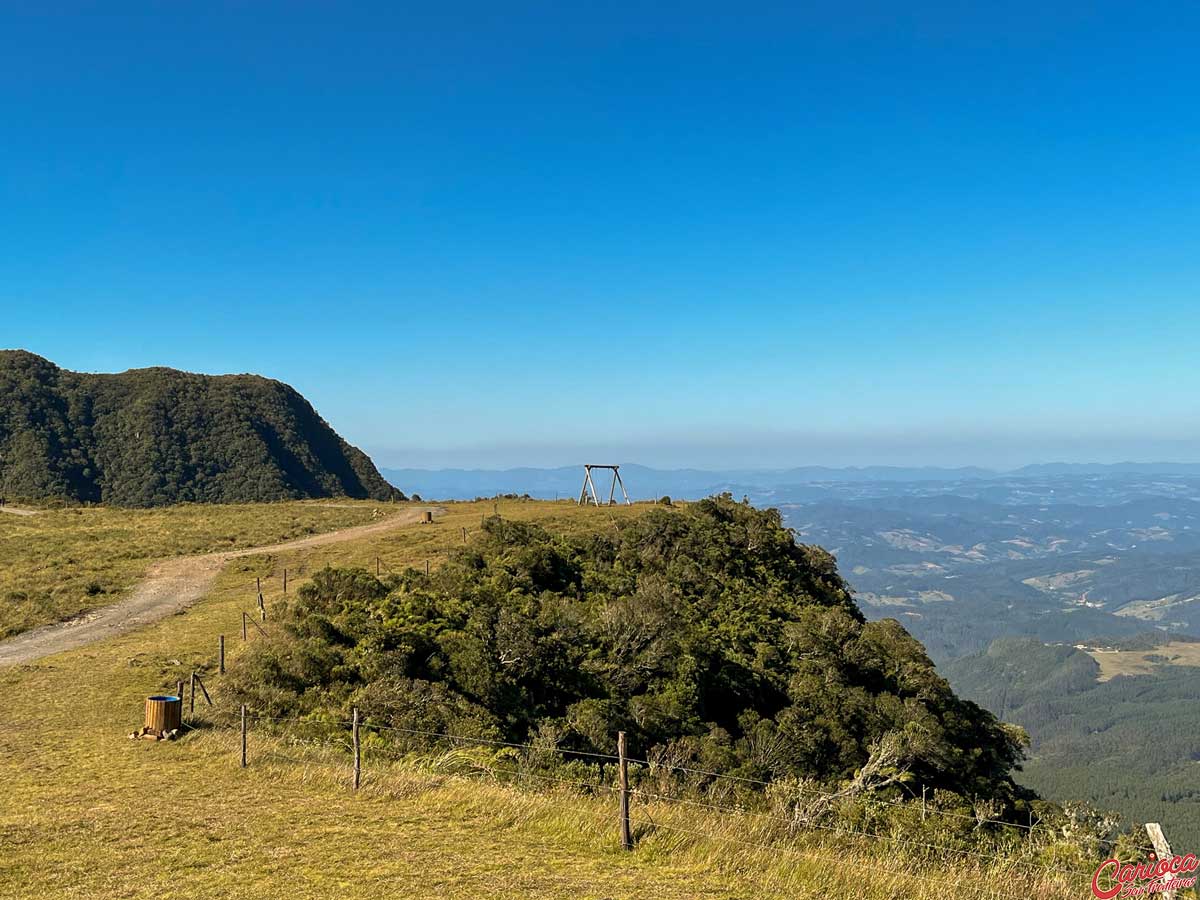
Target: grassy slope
[62,562]
[88,813]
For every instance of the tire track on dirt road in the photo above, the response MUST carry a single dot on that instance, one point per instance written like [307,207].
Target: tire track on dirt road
[17,511]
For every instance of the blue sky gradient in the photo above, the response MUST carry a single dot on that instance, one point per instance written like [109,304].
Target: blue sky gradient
[678,234]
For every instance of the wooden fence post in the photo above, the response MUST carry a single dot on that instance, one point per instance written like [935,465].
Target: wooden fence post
[377,567]
[922,803]
[357,752]
[203,689]
[243,735]
[285,581]
[244,617]
[179,692]
[426,567]
[1163,849]
[626,836]
[192,696]
[221,657]
[258,585]
[464,534]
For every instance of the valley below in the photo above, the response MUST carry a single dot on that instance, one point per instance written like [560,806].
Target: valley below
[1067,604]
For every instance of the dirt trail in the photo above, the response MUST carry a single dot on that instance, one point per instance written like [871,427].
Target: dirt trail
[17,511]
[170,586]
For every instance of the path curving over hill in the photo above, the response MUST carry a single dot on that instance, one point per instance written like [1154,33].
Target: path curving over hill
[170,586]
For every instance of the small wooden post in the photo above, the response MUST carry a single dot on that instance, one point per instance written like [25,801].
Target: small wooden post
[285,581]
[258,585]
[626,836]
[1163,849]
[179,694]
[244,617]
[243,735]
[922,803]
[192,696]
[357,752]
[221,656]
[464,534]
[377,567]
[203,689]
[426,567]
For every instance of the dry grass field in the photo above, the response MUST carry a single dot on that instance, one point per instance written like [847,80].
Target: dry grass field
[87,813]
[1143,662]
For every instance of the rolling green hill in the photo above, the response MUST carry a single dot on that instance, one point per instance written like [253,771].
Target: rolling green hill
[152,437]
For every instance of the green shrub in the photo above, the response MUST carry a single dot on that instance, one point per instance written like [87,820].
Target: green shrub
[706,633]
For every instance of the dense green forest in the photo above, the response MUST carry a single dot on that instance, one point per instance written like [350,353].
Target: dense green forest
[152,437]
[706,633]
[1130,744]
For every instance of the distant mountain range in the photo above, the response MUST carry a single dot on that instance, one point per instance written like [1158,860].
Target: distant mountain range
[151,437]
[644,482]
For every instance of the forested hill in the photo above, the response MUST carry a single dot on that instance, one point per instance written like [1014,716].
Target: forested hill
[1129,743]
[706,633]
[150,437]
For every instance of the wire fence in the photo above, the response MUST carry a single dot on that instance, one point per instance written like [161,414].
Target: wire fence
[927,811]
[328,748]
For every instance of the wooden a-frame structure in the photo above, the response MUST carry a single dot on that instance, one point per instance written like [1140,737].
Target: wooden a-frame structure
[589,485]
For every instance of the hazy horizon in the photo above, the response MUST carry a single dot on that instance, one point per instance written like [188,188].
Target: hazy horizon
[431,461]
[932,444]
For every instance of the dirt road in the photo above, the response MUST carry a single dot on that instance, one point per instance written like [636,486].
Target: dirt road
[169,586]
[17,511]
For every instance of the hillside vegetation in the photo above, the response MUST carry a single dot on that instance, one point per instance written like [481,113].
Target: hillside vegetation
[706,633]
[153,437]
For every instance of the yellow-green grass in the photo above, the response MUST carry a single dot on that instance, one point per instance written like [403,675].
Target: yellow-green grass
[1143,662]
[63,562]
[86,812]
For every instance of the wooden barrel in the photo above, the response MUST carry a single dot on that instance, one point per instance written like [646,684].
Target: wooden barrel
[164,713]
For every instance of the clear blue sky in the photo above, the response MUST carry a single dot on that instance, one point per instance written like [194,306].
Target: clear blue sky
[673,233]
